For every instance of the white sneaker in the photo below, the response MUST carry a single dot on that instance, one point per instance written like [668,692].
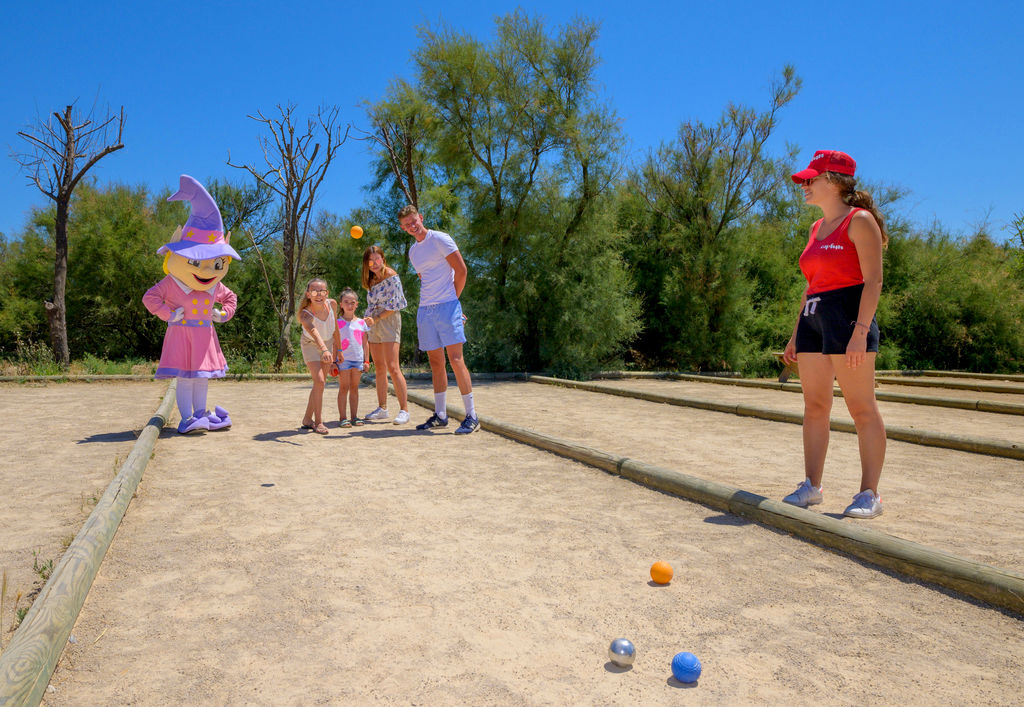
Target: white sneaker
[378,414]
[805,495]
[865,505]
[402,417]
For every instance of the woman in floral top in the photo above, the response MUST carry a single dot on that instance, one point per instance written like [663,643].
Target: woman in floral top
[384,302]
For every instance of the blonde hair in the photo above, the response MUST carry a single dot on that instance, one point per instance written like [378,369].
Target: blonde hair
[407,210]
[305,295]
[852,196]
[369,277]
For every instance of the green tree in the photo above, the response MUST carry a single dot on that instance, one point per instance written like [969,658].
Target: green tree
[527,154]
[686,250]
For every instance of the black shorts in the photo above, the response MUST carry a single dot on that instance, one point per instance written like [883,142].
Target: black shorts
[828,320]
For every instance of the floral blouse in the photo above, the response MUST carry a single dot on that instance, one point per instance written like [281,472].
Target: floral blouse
[386,296]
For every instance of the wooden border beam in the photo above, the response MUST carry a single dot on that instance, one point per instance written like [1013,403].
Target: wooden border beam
[29,660]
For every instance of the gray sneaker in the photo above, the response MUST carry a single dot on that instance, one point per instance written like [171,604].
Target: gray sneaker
[865,505]
[378,414]
[805,495]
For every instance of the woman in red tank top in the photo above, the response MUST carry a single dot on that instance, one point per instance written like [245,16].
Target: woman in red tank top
[836,337]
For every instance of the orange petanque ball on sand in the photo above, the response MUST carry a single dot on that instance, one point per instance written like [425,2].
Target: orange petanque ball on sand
[661,572]
[356,231]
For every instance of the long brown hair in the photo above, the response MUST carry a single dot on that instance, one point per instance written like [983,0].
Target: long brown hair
[369,278]
[859,199]
[305,302]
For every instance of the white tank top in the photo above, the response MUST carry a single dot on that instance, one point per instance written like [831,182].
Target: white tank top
[324,327]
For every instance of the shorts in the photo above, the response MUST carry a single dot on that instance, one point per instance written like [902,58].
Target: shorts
[310,351]
[346,365]
[387,330]
[440,325]
[828,321]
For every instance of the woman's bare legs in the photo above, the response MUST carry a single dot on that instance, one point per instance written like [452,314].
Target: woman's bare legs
[380,368]
[816,376]
[389,352]
[858,386]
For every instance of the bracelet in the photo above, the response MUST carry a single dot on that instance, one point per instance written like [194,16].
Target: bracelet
[866,326]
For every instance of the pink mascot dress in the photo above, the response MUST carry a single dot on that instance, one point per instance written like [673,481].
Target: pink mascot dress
[191,299]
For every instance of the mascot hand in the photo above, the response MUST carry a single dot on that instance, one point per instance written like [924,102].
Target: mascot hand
[218,316]
[177,315]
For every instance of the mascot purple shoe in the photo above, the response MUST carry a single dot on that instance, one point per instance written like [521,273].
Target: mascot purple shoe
[191,299]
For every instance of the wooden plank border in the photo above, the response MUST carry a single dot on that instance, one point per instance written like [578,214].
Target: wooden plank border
[958,403]
[975,445]
[29,660]
[998,587]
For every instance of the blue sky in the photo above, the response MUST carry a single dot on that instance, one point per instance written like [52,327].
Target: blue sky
[926,96]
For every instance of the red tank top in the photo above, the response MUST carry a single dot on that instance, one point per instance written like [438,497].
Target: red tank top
[831,263]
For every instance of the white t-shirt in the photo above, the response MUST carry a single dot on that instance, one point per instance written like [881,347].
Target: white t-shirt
[353,333]
[437,278]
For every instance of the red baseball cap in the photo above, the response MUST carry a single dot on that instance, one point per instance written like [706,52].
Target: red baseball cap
[826,161]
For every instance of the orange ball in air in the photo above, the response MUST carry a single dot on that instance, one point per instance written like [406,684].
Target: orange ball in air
[661,572]
[357,231]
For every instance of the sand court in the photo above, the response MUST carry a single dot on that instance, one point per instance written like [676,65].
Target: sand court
[269,566]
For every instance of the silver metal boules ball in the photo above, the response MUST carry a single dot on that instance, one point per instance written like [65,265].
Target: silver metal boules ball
[621,652]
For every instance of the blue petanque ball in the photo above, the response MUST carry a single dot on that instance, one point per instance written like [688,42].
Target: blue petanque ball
[686,667]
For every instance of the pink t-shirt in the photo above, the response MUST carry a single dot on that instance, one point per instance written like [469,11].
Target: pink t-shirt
[353,333]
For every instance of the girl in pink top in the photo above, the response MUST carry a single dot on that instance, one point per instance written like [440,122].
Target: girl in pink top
[352,359]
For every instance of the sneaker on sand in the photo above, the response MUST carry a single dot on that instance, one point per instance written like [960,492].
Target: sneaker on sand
[433,421]
[470,424]
[402,417]
[378,414]
[865,505]
[805,495]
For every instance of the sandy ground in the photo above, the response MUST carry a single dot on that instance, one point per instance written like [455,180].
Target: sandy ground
[59,448]
[263,565]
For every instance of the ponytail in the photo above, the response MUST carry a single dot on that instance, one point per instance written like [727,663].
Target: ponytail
[858,199]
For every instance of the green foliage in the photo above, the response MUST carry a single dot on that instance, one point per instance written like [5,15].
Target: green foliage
[959,306]
[528,152]
[687,247]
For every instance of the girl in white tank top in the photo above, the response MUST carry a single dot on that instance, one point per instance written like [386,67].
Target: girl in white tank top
[319,341]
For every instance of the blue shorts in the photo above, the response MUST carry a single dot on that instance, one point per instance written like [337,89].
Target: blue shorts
[440,325]
[345,365]
[827,322]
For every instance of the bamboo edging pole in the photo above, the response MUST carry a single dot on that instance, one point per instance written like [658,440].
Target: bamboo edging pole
[885,396]
[975,445]
[29,660]
[993,585]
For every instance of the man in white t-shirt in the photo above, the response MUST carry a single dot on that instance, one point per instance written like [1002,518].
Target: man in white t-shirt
[439,319]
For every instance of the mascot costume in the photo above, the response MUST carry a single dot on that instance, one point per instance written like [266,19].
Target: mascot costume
[190,299]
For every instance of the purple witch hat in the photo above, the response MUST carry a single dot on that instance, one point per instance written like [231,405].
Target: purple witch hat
[202,236]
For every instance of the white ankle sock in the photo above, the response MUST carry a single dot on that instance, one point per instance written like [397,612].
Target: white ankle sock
[440,404]
[467,400]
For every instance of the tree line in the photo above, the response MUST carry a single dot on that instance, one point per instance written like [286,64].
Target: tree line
[577,260]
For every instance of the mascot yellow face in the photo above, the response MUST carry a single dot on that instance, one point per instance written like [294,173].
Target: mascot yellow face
[198,274]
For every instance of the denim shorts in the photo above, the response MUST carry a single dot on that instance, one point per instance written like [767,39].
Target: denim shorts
[827,322]
[346,365]
[440,325]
